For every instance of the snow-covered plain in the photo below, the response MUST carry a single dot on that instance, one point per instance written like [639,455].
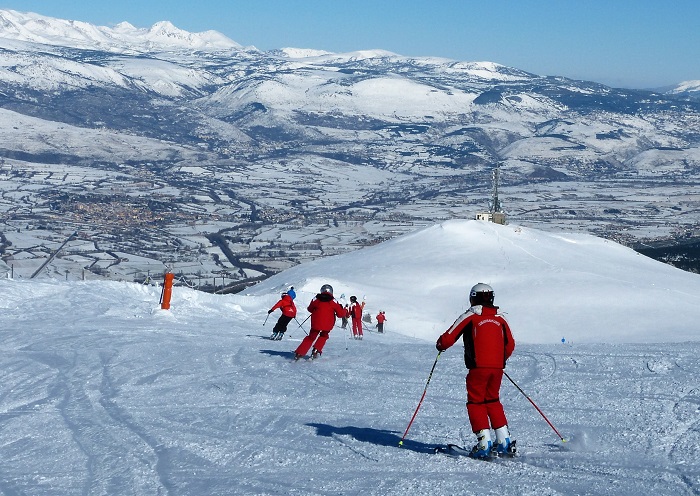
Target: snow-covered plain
[105,393]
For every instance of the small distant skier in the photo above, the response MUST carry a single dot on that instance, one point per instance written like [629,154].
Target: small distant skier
[291,292]
[289,311]
[356,317]
[381,318]
[324,309]
[488,343]
[344,318]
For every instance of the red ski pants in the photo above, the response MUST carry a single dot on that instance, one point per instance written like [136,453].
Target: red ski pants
[306,343]
[356,327]
[483,403]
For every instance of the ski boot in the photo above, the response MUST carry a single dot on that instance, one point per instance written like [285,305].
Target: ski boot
[280,335]
[274,336]
[315,354]
[482,449]
[504,445]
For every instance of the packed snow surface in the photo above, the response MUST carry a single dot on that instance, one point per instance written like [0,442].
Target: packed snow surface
[103,392]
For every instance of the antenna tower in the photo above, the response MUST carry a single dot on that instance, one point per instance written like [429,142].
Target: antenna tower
[495,202]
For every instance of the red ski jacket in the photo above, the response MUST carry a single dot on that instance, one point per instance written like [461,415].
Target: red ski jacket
[286,304]
[356,309]
[488,341]
[381,318]
[324,309]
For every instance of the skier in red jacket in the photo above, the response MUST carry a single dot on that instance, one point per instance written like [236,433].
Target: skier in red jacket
[488,343]
[381,318]
[289,311]
[356,314]
[324,309]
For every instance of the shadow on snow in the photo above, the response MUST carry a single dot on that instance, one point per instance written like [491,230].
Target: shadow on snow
[375,436]
[283,354]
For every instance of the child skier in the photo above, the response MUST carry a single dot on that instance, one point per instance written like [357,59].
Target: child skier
[356,314]
[488,343]
[324,309]
[289,311]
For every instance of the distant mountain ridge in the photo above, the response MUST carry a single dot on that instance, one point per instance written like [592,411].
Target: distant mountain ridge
[690,89]
[143,131]
[35,28]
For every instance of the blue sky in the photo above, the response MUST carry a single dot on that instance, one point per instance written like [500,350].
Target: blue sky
[626,43]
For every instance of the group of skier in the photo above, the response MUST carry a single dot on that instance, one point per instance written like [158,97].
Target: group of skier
[488,343]
[324,309]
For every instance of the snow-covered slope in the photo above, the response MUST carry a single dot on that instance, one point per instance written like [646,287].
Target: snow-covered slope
[105,393]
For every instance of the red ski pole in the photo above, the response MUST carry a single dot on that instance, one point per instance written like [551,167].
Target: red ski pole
[536,407]
[421,399]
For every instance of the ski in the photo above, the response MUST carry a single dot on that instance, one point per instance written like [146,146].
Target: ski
[306,358]
[457,451]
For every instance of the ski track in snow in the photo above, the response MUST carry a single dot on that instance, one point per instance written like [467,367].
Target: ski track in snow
[158,405]
[241,416]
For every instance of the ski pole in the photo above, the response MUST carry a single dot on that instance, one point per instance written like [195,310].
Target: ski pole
[307,318]
[266,320]
[421,399]
[536,407]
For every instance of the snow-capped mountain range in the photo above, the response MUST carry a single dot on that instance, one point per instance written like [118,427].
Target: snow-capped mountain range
[691,89]
[34,28]
[270,158]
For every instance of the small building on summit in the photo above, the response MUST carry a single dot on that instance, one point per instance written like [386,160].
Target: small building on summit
[495,213]
[495,217]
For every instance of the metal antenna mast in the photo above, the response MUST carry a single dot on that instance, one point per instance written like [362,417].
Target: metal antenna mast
[495,213]
[495,202]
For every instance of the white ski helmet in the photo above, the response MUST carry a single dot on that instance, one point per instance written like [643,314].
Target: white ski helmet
[481,294]
[327,288]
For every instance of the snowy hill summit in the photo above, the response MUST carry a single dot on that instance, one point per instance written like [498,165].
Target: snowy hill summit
[551,286]
[35,28]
